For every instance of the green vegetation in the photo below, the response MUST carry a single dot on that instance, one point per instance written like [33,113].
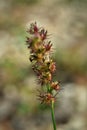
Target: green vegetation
[20,2]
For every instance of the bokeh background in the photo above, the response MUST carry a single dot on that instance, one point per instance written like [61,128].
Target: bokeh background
[66,21]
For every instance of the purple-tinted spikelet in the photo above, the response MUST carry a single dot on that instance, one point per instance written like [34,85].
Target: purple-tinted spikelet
[42,62]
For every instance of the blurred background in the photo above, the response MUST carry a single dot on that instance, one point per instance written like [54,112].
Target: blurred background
[66,20]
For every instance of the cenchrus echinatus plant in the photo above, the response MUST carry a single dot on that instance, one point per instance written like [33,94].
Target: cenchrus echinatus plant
[43,65]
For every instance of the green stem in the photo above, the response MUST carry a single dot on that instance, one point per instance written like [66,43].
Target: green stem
[52,114]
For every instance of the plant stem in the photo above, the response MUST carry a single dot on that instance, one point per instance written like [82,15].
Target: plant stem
[52,114]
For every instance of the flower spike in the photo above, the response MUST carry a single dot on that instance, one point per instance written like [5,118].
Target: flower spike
[42,62]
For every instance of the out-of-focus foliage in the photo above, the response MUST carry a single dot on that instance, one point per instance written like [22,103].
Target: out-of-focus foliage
[21,2]
[16,73]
